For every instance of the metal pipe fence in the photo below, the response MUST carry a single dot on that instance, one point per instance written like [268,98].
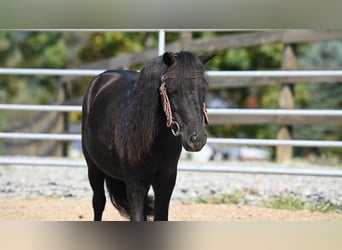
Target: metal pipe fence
[222,112]
[275,74]
[229,141]
[184,166]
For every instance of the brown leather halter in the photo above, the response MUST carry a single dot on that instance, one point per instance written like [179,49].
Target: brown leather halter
[170,121]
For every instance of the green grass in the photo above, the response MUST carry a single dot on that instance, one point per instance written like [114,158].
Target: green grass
[284,202]
[234,198]
[325,208]
[279,202]
[291,203]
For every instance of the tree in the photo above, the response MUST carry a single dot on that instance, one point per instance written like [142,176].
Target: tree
[28,49]
[323,95]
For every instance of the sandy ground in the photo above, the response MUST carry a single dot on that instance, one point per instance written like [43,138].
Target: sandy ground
[58,209]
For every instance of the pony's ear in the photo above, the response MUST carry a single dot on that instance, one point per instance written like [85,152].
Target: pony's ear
[206,58]
[168,58]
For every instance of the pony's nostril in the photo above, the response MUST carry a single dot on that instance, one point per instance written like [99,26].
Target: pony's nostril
[195,141]
[193,137]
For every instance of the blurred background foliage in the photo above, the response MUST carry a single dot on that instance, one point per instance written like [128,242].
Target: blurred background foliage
[29,49]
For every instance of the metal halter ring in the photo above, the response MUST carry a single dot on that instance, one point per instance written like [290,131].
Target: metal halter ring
[175,128]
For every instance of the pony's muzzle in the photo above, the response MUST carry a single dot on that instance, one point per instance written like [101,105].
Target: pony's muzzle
[195,141]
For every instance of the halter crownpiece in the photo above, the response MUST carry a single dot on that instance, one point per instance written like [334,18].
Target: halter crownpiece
[170,122]
[173,75]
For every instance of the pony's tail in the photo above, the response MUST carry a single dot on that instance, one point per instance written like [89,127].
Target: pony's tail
[118,196]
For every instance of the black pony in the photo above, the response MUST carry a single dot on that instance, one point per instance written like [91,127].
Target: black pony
[133,128]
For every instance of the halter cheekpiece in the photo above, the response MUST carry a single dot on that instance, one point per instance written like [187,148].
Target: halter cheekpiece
[170,121]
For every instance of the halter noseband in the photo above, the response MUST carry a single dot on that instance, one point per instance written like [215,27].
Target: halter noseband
[170,121]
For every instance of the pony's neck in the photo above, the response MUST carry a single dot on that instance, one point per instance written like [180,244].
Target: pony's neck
[146,100]
[144,113]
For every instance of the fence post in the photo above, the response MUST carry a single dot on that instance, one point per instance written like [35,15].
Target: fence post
[286,101]
[185,36]
[65,145]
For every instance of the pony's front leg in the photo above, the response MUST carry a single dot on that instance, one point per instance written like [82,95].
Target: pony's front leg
[163,188]
[136,193]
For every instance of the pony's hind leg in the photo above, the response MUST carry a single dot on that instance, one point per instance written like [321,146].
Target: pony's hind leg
[96,179]
[136,194]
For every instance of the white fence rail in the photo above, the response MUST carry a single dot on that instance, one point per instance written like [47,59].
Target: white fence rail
[184,166]
[230,141]
[233,74]
[221,112]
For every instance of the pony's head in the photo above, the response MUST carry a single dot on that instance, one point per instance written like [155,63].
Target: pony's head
[183,89]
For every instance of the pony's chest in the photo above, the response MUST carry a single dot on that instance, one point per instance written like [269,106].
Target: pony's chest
[167,149]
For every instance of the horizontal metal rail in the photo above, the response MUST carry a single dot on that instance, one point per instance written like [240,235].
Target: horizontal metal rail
[238,74]
[50,72]
[276,170]
[275,73]
[275,142]
[41,161]
[25,107]
[184,166]
[262,112]
[256,142]
[40,136]
[279,112]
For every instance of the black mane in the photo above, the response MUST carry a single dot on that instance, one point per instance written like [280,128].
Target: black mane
[139,121]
